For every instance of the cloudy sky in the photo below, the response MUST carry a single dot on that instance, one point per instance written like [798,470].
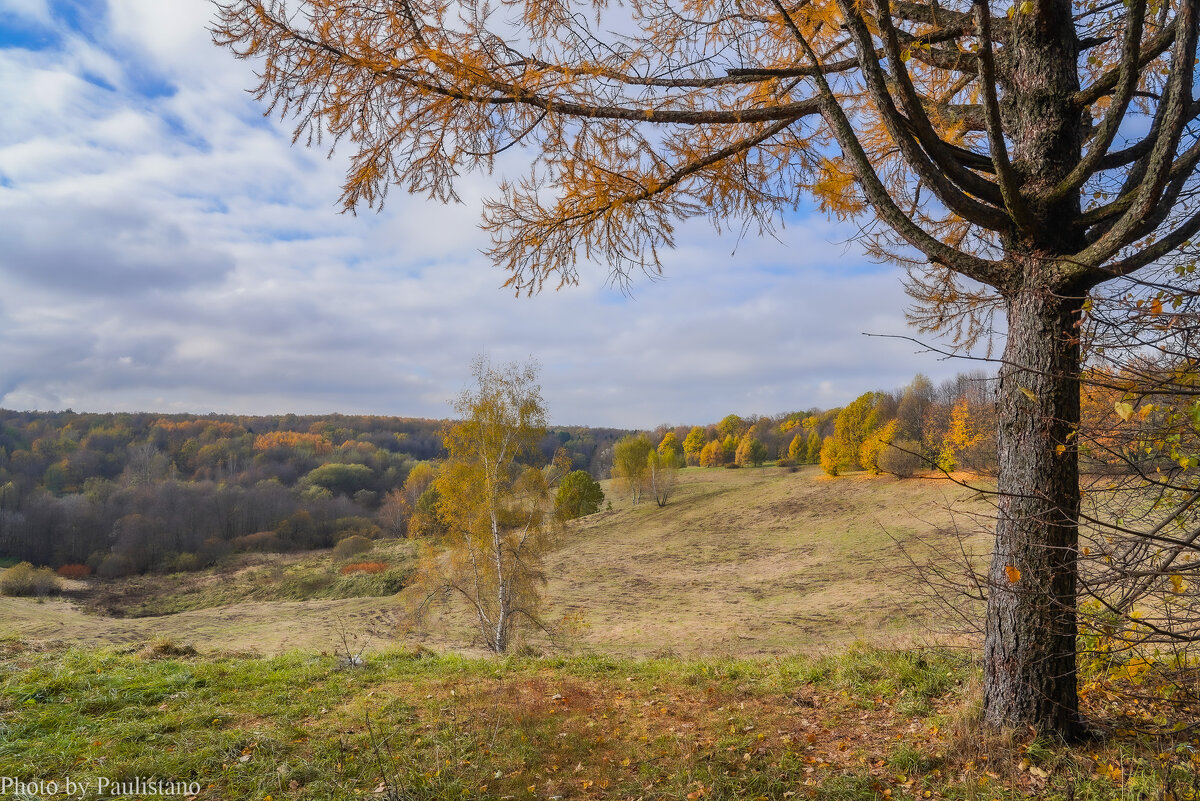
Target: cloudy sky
[163,247]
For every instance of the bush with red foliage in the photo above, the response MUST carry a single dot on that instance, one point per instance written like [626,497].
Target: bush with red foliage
[365,567]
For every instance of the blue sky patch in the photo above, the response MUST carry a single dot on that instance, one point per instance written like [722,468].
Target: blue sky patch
[25,34]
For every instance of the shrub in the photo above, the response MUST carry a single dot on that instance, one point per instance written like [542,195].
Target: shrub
[364,567]
[578,495]
[352,546]
[165,648]
[74,571]
[901,458]
[212,550]
[183,563]
[831,460]
[300,585]
[366,579]
[45,582]
[115,565]
[261,541]
[301,531]
[356,524]
[26,580]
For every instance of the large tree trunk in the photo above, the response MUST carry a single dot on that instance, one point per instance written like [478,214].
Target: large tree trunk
[1029,665]
[1029,650]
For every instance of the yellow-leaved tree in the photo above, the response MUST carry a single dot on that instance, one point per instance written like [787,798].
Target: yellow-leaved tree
[662,474]
[631,466]
[693,443]
[959,438]
[493,505]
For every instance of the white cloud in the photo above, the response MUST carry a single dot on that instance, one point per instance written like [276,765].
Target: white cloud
[165,248]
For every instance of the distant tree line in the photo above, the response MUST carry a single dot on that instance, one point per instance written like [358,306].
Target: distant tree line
[919,426]
[128,493]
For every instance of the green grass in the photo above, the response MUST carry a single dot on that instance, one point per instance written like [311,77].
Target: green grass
[419,726]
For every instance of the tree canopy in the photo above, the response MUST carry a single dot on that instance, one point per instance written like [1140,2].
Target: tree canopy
[578,495]
[1017,159]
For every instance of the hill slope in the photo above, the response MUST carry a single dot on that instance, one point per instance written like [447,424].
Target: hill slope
[740,562]
[752,561]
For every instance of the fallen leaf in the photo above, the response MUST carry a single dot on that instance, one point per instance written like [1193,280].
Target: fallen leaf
[1014,575]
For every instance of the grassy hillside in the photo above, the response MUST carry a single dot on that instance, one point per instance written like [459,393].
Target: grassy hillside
[753,561]
[740,562]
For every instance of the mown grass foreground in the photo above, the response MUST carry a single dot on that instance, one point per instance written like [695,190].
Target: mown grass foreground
[867,724]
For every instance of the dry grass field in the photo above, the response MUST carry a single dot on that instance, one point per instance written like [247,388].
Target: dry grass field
[754,561]
[740,563]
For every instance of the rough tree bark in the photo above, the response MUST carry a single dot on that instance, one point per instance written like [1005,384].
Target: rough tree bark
[1029,650]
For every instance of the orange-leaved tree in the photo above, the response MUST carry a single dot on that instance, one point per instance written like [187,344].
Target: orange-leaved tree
[1036,150]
